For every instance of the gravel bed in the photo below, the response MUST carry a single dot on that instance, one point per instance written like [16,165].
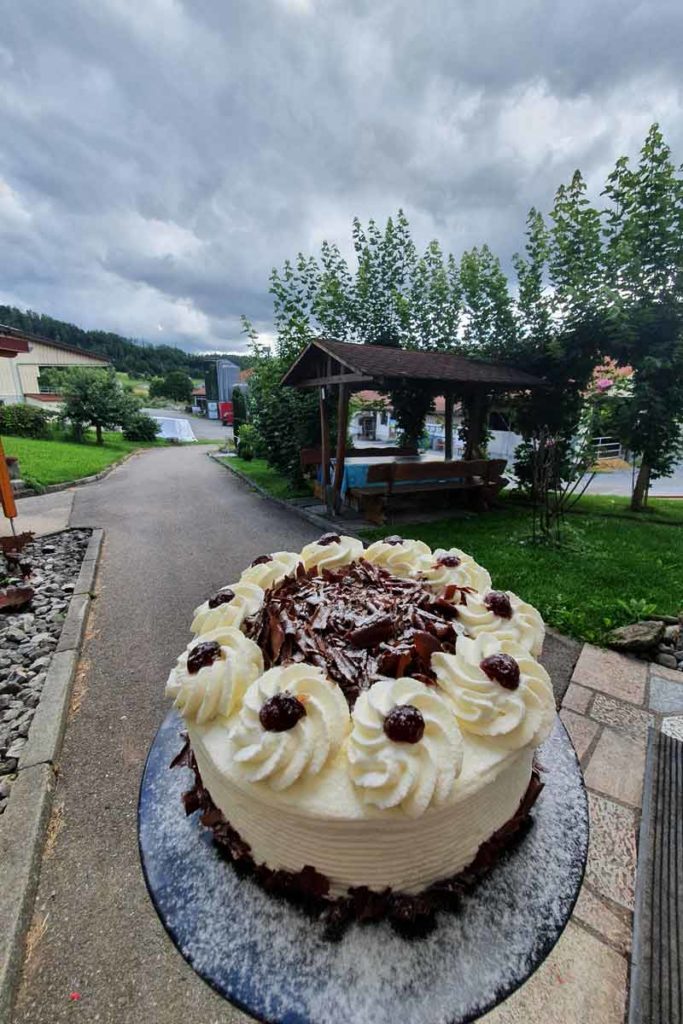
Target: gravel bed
[28,640]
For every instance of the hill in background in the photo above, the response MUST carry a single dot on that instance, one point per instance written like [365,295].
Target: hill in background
[136,358]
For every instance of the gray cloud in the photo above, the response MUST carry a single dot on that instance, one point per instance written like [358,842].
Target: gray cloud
[159,157]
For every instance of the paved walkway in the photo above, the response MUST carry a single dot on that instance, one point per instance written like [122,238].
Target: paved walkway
[177,526]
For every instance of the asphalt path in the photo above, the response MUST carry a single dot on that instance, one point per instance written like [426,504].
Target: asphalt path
[178,526]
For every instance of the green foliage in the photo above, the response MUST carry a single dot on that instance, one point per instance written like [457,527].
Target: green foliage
[644,234]
[285,419]
[24,421]
[176,386]
[239,410]
[95,398]
[249,443]
[140,427]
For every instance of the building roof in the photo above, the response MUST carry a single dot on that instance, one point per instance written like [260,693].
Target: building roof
[199,392]
[14,334]
[374,364]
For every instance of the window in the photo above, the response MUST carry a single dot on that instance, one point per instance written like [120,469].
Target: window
[384,418]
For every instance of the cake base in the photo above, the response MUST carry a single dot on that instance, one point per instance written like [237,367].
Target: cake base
[265,956]
[410,914]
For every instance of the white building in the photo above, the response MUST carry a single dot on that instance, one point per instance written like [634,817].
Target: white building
[29,355]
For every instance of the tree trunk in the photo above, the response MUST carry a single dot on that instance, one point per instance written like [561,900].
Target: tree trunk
[98,433]
[640,490]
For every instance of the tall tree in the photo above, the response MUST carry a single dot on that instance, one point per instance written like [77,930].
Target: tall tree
[489,320]
[644,233]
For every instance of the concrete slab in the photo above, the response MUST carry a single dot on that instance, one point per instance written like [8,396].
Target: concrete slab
[47,728]
[611,864]
[581,730]
[611,673]
[22,827]
[74,623]
[560,654]
[617,766]
[44,513]
[665,696]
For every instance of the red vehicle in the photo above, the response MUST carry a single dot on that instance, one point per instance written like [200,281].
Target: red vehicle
[225,411]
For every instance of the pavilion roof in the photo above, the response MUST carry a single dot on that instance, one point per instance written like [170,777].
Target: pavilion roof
[325,361]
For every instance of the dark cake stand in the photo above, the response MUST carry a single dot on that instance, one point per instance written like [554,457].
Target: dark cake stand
[269,959]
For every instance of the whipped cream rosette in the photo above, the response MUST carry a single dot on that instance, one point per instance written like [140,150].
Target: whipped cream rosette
[230,606]
[497,690]
[405,748]
[453,567]
[211,676]
[331,551]
[405,558]
[292,721]
[267,570]
[506,615]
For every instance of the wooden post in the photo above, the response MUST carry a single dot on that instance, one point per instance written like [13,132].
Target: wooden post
[476,405]
[324,445]
[448,447]
[6,494]
[342,423]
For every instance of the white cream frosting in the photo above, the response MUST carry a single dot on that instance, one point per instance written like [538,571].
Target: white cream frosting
[267,574]
[467,574]
[329,556]
[412,775]
[525,627]
[407,559]
[280,758]
[216,689]
[246,602]
[510,719]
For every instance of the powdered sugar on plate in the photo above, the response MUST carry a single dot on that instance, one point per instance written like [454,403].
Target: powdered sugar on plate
[268,958]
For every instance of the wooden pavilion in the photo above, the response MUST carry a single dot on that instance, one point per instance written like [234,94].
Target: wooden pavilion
[344,367]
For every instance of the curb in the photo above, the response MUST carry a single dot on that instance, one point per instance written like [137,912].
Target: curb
[23,825]
[312,517]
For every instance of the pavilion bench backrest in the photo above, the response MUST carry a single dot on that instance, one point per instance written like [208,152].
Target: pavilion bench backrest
[381,473]
[314,456]
[406,471]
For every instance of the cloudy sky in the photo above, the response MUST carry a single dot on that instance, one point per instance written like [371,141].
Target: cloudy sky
[158,157]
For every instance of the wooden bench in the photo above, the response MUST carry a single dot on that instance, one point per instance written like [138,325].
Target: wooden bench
[314,456]
[482,477]
[656,995]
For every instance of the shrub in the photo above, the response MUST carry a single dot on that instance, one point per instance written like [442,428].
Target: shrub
[140,427]
[286,419]
[239,410]
[24,421]
[249,443]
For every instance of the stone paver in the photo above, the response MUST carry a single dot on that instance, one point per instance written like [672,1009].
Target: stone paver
[598,915]
[583,981]
[612,851]
[611,673]
[667,673]
[665,696]
[622,716]
[581,730]
[673,726]
[617,766]
[577,698]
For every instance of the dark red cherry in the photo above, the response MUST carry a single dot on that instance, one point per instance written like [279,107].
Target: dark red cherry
[281,712]
[262,559]
[450,561]
[329,538]
[498,602]
[404,724]
[394,539]
[503,669]
[202,655]
[224,596]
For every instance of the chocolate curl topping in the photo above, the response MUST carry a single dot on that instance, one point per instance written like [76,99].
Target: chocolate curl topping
[356,622]
[223,596]
[202,655]
[498,602]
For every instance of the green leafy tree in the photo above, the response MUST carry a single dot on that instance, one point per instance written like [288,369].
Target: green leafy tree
[239,410]
[488,311]
[644,233]
[176,386]
[95,398]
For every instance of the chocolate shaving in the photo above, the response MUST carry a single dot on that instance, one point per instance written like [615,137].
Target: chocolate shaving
[356,622]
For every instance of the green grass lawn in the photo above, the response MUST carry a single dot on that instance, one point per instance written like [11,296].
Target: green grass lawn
[611,572]
[140,387]
[261,473]
[658,509]
[56,462]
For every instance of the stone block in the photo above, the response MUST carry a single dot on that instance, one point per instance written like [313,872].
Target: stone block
[577,698]
[612,673]
[665,696]
[631,719]
[611,864]
[617,765]
[74,623]
[582,731]
[614,925]
[47,728]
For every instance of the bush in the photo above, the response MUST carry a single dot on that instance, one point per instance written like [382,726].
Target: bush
[140,427]
[286,419]
[239,410]
[24,421]
[249,442]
